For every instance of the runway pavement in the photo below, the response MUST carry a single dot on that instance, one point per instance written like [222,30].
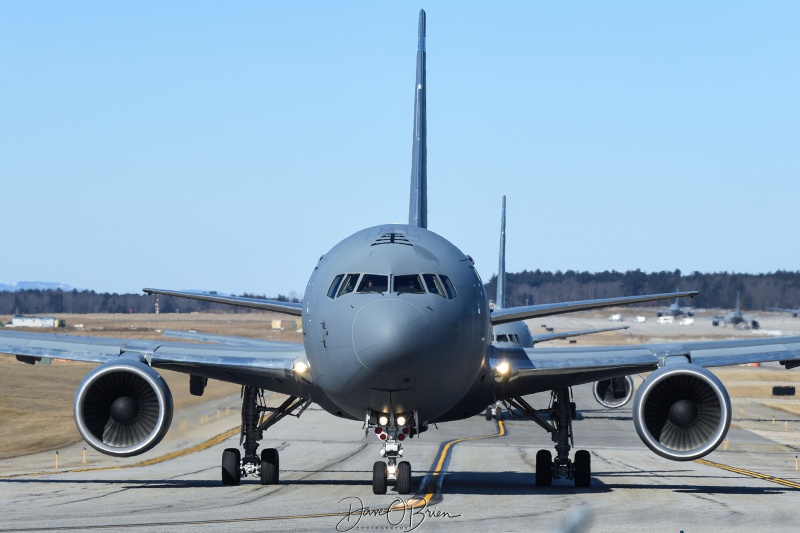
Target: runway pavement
[481,484]
[477,474]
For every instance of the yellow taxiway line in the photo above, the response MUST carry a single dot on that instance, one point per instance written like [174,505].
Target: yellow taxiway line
[174,455]
[757,475]
[421,501]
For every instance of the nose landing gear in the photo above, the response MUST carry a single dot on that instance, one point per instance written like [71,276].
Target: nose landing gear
[392,431]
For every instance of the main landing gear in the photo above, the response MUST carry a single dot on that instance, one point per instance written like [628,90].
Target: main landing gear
[257,418]
[561,412]
[392,430]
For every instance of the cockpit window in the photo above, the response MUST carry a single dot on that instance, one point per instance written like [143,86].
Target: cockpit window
[433,284]
[408,284]
[373,283]
[448,287]
[349,284]
[334,286]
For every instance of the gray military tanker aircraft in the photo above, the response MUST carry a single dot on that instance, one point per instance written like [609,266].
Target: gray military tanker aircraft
[398,333]
[612,393]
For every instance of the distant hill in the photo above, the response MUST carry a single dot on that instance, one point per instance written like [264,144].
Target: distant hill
[33,285]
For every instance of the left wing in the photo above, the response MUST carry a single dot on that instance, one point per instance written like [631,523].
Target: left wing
[577,333]
[289,308]
[512,314]
[271,363]
[217,339]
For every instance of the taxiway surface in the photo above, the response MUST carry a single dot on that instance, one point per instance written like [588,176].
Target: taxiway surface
[484,481]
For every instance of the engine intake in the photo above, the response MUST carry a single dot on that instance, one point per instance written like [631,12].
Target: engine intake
[123,408]
[613,393]
[682,412]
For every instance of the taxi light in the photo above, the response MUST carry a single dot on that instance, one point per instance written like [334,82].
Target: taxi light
[383,420]
[300,367]
[503,367]
[391,469]
[401,421]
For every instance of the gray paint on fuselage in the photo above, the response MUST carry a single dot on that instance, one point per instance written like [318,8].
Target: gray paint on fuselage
[357,344]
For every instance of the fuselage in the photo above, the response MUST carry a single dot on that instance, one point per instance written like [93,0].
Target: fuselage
[395,319]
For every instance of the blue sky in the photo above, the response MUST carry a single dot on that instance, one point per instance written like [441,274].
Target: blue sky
[226,146]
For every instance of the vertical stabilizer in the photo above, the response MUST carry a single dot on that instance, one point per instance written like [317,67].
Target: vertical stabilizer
[418,206]
[501,269]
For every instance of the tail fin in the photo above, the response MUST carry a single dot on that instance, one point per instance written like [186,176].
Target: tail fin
[418,206]
[501,269]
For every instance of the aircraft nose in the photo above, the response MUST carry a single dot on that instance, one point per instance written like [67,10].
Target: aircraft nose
[389,336]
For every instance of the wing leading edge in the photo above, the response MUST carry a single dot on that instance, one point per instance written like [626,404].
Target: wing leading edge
[512,314]
[289,308]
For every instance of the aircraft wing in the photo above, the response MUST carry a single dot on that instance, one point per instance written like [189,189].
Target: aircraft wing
[236,364]
[584,365]
[577,333]
[289,308]
[512,314]
[217,339]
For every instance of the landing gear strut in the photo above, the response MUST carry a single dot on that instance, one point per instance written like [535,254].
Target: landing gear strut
[257,418]
[561,412]
[392,431]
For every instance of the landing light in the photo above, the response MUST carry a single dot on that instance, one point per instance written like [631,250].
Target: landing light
[383,420]
[300,367]
[401,421]
[503,367]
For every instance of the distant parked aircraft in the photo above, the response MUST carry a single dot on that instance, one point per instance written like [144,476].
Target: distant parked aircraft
[675,310]
[735,318]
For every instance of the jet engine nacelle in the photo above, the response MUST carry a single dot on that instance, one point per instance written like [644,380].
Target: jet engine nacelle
[682,412]
[123,408]
[614,392]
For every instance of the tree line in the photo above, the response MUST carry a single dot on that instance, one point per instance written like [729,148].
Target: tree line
[759,292]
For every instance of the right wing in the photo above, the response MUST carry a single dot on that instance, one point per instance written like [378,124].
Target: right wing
[584,365]
[577,333]
[512,314]
[289,308]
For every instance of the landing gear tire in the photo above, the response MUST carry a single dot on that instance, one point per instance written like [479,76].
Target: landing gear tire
[403,485]
[544,468]
[379,474]
[231,470]
[583,469]
[488,413]
[269,466]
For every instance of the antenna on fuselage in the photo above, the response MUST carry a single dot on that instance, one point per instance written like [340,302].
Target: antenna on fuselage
[418,206]
[501,269]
